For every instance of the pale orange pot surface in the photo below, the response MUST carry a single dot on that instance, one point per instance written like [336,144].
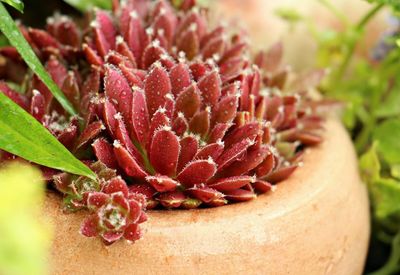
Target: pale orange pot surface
[316,222]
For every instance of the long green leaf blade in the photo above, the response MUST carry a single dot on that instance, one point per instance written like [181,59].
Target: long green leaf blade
[85,5]
[13,34]
[24,136]
[17,4]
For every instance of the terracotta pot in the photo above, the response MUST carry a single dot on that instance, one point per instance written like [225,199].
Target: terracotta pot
[316,222]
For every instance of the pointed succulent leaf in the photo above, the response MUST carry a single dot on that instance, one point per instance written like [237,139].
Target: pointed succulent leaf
[104,152]
[127,162]
[133,233]
[218,132]
[189,146]
[172,199]
[180,125]
[90,132]
[231,183]
[140,117]
[210,87]
[204,193]
[162,183]
[164,151]
[200,123]
[234,153]
[249,130]
[262,186]
[180,78]
[157,85]
[280,174]
[254,157]
[225,110]
[188,102]
[96,200]
[116,185]
[213,150]
[190,175]
[118,91]
[239,195]
[89,227]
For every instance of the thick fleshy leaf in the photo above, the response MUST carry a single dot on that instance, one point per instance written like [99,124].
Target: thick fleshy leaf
[133,233]
[280,174]
[96,200]
[89,227]
[214,48]
[210,87]
[266,166]
[249,130]
[109,113]
[68,136]
[162,183]
[140,117]
[106,26]
[254,157]
[18,98]
[118,91]
[232,183]
[152,53]
[180,125]
[234,153]
[180,78]
[33,142]
[200,123]
[105,153]
[218,132]
[240,195]
[127,162]
[111,237]
[188,102]
[191,203]
[212,150]
[191,175]
[172,199]
[92,56]
[164,151]
[159,120]
[122,135]
[90,132]
[262,186]
[189,147]
[157,86]
[189,43]
[225,110]
[116,185]
[205,193]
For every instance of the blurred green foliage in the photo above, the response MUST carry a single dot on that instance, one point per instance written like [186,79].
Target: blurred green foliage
[369,86]
[24,238]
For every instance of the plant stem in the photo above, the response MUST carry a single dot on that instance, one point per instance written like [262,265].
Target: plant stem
[353,43]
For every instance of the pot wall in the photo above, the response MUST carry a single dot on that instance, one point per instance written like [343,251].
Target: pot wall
[316,222]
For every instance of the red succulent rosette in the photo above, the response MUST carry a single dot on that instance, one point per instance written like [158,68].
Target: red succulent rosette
[173,113]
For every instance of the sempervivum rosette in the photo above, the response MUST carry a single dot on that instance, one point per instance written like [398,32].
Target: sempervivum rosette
[190,120]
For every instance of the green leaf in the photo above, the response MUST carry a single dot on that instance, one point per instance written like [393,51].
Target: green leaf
[24,136]
[387,134]
[17,4]
[395,171]
[395,4]
[13,34]
[85,5]
[370,165]
[385,194]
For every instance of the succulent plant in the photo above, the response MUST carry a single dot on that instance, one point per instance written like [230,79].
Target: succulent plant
[176,112]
